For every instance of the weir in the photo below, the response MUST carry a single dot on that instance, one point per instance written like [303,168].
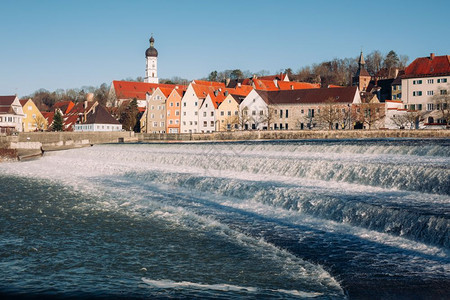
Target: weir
[322,218]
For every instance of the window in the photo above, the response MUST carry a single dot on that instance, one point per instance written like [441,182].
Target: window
[170,122]
[430,93]
[184,104]
[430,106]
[222,113]
[212,123]
[168,113]
[29,107]
[286,126]
[417,81]
[236,112]
[443,92]
[281,115]
[419,106]
[171,104]
[204,113]
[261,113]
[196,113]
[212,114]
[275,126]
[184,122]
[184,113]
[229,113]
[152,116]
[155,124]
[195,123]
[253,112]
[302,111]
[287,116]
[412,107]
[442,80]
[153,107]
[417,93]
[430,81]
[195,103]
[162,124]
[190,123]
[205,123]
[178,104]
[177,113]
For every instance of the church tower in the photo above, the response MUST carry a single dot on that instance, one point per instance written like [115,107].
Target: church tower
[362,77]
[151,70]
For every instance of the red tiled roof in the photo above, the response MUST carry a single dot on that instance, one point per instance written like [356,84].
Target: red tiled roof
[23,102]
[210,83]
[64,106]
[293,85]
[280,76]
[307,96]
[48,116]
[428,66]
[133,89]
[5,103]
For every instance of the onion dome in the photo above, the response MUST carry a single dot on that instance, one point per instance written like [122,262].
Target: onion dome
[151,51]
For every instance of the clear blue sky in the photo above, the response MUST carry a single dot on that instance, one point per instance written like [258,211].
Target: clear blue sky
[69,44]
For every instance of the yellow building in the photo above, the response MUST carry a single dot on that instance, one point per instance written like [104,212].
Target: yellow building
[33,120]
[228,113]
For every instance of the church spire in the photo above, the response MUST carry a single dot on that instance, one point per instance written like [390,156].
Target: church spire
[361,61]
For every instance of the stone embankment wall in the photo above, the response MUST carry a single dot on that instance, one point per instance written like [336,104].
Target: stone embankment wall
[27,145]
[293,134]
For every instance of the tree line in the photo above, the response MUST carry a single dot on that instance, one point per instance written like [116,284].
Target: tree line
[45,99]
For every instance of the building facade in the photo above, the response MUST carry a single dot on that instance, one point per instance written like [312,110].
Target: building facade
[33,119]
[11,114]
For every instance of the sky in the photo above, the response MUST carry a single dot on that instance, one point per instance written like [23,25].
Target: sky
[74,43]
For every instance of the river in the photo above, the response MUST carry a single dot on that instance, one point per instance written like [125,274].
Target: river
[324,219]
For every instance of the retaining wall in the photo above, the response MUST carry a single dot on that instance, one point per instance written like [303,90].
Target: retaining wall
[293,134]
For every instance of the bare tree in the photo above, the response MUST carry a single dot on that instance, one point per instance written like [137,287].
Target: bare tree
[441,100]
[330,114]
[267,117]
[413,118]
[368,114]
[243,117]
[400,120]
[41,122]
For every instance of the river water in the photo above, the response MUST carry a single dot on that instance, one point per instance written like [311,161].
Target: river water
[351,219]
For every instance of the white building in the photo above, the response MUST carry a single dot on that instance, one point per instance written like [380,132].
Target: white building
[256,109]
[151,70]
[99,120]
[425,78]
[11,114]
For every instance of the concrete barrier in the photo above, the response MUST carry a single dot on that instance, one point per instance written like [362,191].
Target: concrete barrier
[293,134]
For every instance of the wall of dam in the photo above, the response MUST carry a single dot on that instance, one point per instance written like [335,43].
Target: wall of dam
[31,144]
[292,134]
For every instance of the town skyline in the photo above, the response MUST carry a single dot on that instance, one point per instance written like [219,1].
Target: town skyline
[56,45]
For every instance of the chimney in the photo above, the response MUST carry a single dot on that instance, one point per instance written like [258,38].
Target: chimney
[227,81]
[226,93]
[431,56]
[90,97]
[275,82]
[292,87]
[239,84]
[176,87]
[85,104]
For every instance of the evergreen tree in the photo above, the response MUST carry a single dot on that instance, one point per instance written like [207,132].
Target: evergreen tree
[57,121]
[129,117]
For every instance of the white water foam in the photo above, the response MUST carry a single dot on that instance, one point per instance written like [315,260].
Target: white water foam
[169,284]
